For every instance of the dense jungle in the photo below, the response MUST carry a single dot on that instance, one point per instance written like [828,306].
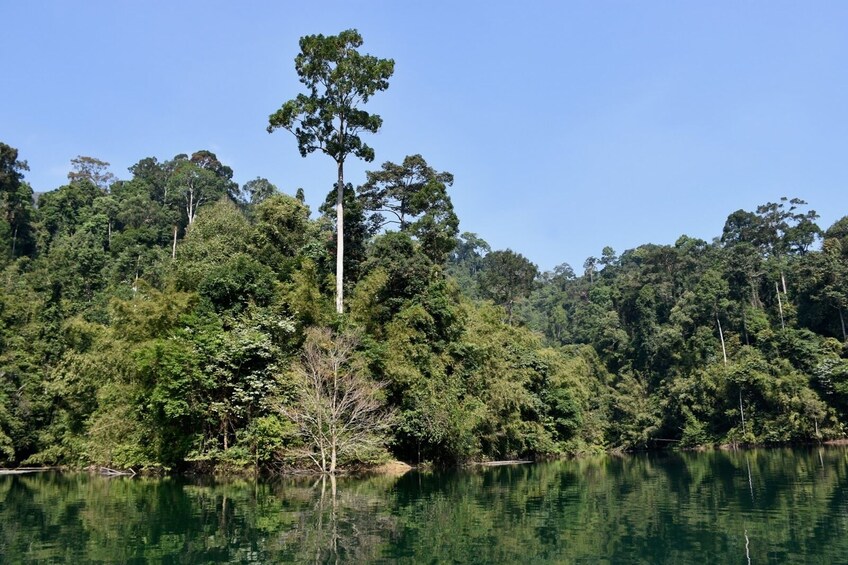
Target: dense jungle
[173,319]
[170,318]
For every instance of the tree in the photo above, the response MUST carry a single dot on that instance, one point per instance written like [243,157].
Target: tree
[198,180]
[775,230]
[741,227]
[256,191]
[208,161]
[337,408]
[339,79]
[839,230]
[827,273]
[219,232]
[93,170]
[414,196]
[403,192]
[193,186]
[590,266]
[282,229]
[15,201]
[141,216]
[406,268]
[608,258]
[784,230]
[65,210]
[506,277]
[469,252]
[154,175]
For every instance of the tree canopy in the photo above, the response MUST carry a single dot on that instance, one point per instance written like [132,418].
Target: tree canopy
[173,319]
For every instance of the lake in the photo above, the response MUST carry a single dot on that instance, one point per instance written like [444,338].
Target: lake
[755,506]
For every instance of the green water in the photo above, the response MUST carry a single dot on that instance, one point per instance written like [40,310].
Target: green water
[761,506]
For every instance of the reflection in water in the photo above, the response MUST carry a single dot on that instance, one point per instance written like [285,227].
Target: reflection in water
[750,481]
[772,506]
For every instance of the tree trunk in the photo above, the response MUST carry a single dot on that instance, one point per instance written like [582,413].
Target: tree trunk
[321,446]
[751,490]
[842,321]
[340,240]
[755,295]
[721,336]
[334,406]
[14,240]
[109,237]
[780,306]
[174,247]
[135,284]
[190,207]
[783,280]
[741,412]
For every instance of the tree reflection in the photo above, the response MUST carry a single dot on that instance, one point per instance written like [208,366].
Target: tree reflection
[349,522]
[775,505]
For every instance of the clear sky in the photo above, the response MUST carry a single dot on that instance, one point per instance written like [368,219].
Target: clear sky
[568,125]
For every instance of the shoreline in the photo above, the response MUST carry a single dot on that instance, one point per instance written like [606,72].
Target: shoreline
[393,468]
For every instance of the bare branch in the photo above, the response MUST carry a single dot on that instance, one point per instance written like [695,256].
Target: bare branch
[336,408]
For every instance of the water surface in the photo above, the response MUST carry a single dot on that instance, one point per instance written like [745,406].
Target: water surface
[760,506]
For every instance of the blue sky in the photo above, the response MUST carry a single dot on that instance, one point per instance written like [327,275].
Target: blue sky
[567,125]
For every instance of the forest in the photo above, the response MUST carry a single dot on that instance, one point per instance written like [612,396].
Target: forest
[172,319]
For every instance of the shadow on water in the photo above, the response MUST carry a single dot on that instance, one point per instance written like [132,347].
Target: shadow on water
[758,506]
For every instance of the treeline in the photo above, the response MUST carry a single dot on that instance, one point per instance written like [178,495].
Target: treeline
[742,339]
[175,318]
[163,319]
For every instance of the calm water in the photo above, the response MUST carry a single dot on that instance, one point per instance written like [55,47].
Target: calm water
[762,506]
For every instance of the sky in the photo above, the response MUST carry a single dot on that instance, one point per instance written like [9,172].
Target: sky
[568,126]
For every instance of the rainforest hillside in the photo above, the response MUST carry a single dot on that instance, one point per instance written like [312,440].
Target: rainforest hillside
[168,317]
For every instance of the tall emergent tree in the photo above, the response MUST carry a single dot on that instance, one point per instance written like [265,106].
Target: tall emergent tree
[339,80]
